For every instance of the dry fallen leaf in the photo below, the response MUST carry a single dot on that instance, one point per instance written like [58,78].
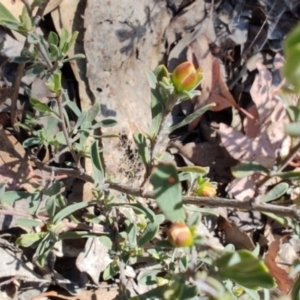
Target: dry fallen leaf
[213,87]
[264,135]
[281,276]
[233,235]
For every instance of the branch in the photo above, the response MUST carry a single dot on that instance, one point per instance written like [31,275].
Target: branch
[249,205]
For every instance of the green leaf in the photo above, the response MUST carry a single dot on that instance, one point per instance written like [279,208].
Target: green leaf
[295,294]
[293,129]
[93,112]
[28,222]
[28,239]
[111,271]
[6,16]
[193,116]
[167,192]
[21,59]
[276,192]
[25,18]
[71,209]
[60,137]
[43,249]
[143,149]
[291,175]
[245,269]
[105,123]
[57,81]
[53,39]
[140,208]
[54,52]
[157,107]
[152,81]
[32,38]
[40,106]
[64,36]
[148,234]
[73,39]
[195,169]
[73,106]
[98,172]
[280,220]
[53,190]
[148,277]
[51,207]
[245,169]
[74,57]
[31,142]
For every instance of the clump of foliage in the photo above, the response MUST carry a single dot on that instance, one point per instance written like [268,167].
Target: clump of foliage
[184,265]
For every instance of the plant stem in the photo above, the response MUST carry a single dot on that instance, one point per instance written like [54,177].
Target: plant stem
[20,71]
[66,134]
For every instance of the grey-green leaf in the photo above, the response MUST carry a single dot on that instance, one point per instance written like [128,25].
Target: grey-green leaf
[245,169]
[276,192]
[167,191]
[190,118]
[98,174]
[143,149]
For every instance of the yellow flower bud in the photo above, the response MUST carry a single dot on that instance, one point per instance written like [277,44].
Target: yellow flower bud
[206,189]
[180,235]
[185,77]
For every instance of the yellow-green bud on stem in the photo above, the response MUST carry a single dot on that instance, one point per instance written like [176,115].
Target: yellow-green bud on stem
[180,235]
[185,77]
[207,189]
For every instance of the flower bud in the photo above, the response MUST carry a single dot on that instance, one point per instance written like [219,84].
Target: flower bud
[180,235]
[185,77]
[206,189]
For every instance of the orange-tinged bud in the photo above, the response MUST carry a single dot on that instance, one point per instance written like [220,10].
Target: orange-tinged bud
[180,235]
[207,189]
[185,77]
